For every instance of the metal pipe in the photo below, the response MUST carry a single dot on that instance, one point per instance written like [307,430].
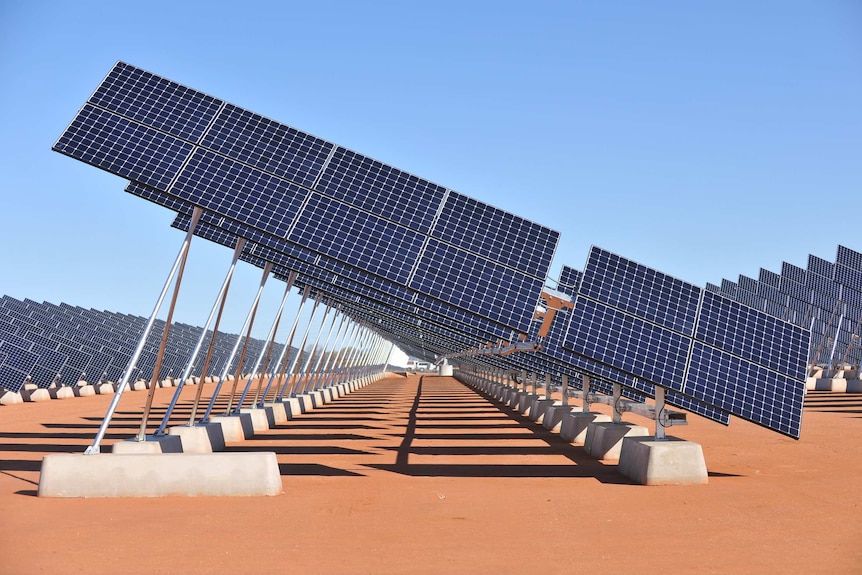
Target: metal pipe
[240,243]
[100,434]
[313,353]
[248,320]
[297,358]
[281,386]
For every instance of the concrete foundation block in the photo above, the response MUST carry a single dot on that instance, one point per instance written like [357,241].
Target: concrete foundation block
[279,412]
[306,404]
[854,386]
[105,389]
[554,414]
[525,402]
[139,385]
[61,392]
[573,427]
[830,384]
[10,397]
[537,408]
[84,390]
[199,438]
[235,427]
[163,475]
[262,418]
[292,407]
[671,461]
[38,394]
[605,440]
[153,444]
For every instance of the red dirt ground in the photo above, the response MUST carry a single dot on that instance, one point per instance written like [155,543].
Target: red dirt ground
[403,478]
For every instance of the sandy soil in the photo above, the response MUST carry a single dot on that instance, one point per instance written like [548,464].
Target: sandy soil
[403,477]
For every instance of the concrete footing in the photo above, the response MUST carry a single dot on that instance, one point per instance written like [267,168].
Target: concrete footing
[61,392]
[605,440]
[171,474]
[139,385]
[199,438]
[537,408]
[306,404]
[262,418]
[153,444]
[38,394]
[525,402]
[553,419]
[292,406]
[573,427]
[279,412]
[235,427]
[671,461]
[84,390]
[105,389]
[10,397]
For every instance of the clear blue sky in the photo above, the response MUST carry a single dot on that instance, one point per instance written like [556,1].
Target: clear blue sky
[705,139]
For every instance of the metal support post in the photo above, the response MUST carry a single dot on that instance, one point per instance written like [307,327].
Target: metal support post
[323,364]
[586,389]
[130,367]
[266,349]
[298,357]
[160,356]
[548,386]
[659,414]
[249,319]
[307,369]
[282,379]
[217,306]
[564,378]
[618,394]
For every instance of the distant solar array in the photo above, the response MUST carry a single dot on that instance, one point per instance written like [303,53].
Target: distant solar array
[46,343]
[825,297]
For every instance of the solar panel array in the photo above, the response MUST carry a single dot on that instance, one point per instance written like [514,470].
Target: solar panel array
[697,343]
[825,297]
[46,343]
[432,269]
[316,195]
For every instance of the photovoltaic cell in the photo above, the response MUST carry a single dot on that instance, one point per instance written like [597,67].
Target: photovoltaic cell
[819,266]
[122,147]
[488,231]
[640,291]
[792,272]
[849,258]
[154,101]
[357,238]
[723,380]
[380,189]
[570,280]
[769,278]
[628,343]
[267,145]
[752,335]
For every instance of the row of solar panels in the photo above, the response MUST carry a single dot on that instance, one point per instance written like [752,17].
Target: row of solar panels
[427,267]
[45,343]
[825,297]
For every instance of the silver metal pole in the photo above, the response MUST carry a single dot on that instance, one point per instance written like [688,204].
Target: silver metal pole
[240,244]
[660,433]
[282,385]
[586,389]
[245,325]
[269,337]
[313,353]
[297,358]
[343,353]
[100,434]
[322,364]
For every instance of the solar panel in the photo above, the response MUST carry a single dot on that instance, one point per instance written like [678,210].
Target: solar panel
[299,188]
[740,360]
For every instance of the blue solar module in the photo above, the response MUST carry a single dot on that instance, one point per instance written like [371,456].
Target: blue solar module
[728,288]
[454,276]
[712,288]
[380,189]
[124,148]
[819,266]
[747,362]
[849,277]
[769,278]
[792,273]
[849,258]
[570,280]
[752,335]
[628,343]
[747,284]
[461,217]
[640,291]
[357,238]
[149,99]
[290,185]
[746,390]
[271,147]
